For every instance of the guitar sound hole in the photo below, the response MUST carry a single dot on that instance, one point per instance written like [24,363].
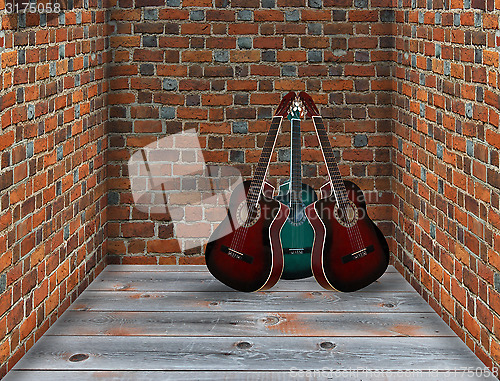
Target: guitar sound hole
[297,215]
[243,217]
[347,214]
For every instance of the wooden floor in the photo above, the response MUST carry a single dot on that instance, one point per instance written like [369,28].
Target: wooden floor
[179,323]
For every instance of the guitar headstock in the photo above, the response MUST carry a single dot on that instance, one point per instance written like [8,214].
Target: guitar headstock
[296,110]
[285,104]
[307,101]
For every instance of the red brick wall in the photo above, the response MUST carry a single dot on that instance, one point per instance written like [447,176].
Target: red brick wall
[446,164]
[408,89]
[222,68]
[52,174]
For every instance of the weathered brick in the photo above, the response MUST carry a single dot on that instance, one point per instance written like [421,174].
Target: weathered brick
[410,94]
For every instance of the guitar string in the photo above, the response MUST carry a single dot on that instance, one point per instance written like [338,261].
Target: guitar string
[249,200]
[353,231]
[253,206]
[241,233]
[342,205]
[295,174]
[240,239]
[343,201]
[335,181]
[297,143]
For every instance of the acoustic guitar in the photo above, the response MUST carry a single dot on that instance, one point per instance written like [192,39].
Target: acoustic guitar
[297,234]
[244,252]
[349,251]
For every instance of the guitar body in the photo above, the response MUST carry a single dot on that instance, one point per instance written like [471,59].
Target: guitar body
[297,238]
[335,264]
[260,264]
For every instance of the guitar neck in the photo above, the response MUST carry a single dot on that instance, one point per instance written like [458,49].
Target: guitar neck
[330,160]
[263,164]
[295,163]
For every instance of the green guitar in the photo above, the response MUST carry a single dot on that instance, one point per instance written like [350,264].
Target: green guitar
[297,234]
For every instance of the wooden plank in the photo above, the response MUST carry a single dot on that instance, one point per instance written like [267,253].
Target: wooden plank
[407,375]
[144,281]
[250,353]
[317,301]
[158,268]
[211,323]
[160,333]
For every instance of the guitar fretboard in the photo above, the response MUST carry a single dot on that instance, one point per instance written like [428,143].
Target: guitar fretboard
[331,162]
[263,164]
[295,164]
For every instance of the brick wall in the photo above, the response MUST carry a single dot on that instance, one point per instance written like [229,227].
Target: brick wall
[222,69]
[408,90]
[52,174]
[446,164]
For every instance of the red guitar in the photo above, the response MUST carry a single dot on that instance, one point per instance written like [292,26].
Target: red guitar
[349,251]
[245,251]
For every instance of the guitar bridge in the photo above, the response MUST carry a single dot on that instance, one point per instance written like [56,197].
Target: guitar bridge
[236,254]
[357,254]
[297,251]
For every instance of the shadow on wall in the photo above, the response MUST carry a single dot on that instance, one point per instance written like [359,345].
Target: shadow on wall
[169,177]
